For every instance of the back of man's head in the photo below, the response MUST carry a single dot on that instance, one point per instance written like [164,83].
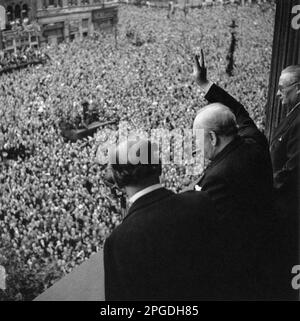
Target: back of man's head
[217,117]
[135,163]
[219,128]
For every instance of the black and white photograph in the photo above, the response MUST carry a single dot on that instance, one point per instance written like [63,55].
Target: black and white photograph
[149,151]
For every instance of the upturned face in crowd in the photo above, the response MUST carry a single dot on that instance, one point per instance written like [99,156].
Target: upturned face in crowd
[288,90]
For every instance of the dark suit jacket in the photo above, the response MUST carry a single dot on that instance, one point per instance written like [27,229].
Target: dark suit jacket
[239,179]
[240,182]
[177,247]
[285,150]
[165,249]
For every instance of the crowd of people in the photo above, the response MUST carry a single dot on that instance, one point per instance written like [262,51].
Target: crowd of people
[21,58]
[55,208]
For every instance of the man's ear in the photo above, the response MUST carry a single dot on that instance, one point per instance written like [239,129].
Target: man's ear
[213,138]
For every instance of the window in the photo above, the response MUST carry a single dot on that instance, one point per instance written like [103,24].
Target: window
[25,11]
[9,43]
[17,12]
[10,13]
[85,23]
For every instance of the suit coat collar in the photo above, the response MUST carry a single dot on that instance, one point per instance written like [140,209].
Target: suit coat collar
[149,199]
[286,122]
[223,154]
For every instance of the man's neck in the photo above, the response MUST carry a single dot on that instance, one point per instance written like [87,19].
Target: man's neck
[225,143]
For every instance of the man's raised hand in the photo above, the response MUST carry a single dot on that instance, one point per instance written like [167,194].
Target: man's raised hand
[200,71]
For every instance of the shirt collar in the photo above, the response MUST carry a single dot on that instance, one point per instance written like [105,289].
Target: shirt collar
[143,192]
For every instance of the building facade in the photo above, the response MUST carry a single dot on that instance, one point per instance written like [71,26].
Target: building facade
[15,30]
[53,21]
[69,19]
[18,9]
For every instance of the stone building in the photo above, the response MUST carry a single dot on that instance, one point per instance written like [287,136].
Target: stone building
[19,9]
[52,21]
[16,32]
[69,19]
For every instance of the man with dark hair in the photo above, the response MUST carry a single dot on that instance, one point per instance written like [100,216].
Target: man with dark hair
[165,248]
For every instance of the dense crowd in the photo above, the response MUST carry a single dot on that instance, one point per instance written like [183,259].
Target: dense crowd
[55,209]
[10,61]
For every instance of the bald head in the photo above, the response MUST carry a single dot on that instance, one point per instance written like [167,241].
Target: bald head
[218,118]
[217,125]
[293,72]
[289,86]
